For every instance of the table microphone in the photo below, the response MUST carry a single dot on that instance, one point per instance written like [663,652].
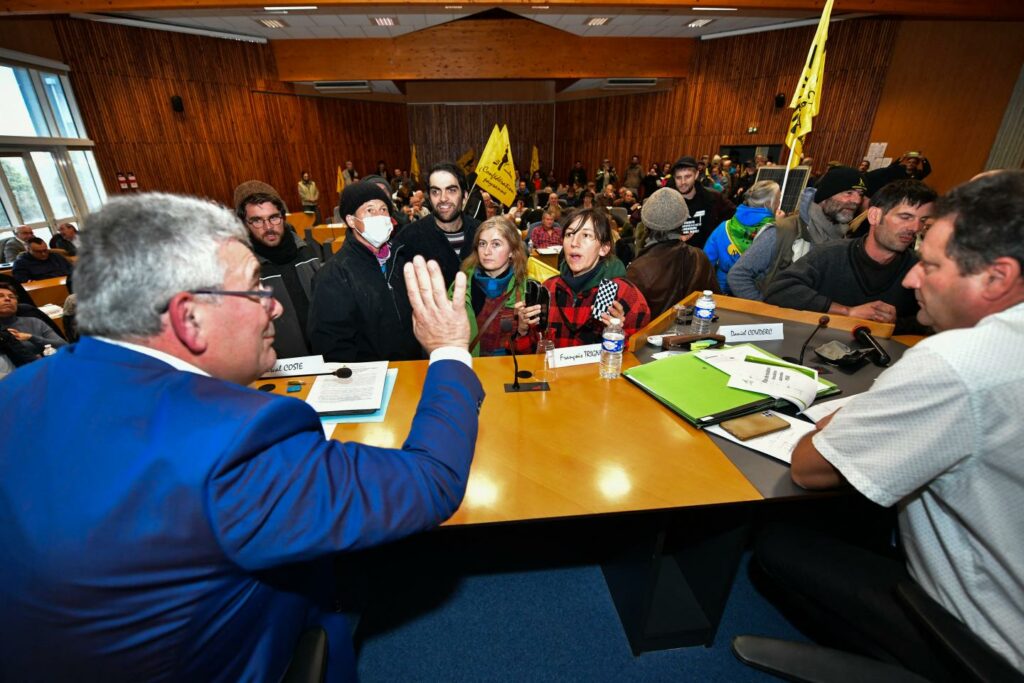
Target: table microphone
[822,323]
[862,334]
[506,326]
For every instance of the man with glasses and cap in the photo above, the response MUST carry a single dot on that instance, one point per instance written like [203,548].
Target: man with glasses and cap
[184,527]
[287,263]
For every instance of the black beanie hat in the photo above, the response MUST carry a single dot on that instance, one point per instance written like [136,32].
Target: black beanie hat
[836,180]
[357,194]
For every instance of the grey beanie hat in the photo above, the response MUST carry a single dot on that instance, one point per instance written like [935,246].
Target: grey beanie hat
[664,211]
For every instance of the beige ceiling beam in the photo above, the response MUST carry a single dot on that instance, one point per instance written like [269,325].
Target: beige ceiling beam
[936,9]
[477,49]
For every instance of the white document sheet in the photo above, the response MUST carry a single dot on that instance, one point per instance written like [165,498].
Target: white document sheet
[362,392]
[778,445]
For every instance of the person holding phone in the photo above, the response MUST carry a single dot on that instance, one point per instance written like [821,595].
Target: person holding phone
[496,273]
[589,290]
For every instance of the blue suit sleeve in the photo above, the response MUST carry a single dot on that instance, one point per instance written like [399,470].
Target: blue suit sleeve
[286,494]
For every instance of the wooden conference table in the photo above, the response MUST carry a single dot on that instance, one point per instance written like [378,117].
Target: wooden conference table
[592,448]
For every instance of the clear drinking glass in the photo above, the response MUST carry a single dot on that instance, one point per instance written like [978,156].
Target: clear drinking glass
[547,347]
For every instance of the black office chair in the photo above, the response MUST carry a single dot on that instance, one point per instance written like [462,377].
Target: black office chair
[806,662]
[309,663]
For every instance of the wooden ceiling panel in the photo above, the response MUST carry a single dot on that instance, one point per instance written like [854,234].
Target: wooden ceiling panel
[482,49]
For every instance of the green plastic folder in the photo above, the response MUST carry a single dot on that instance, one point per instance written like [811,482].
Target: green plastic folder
[699,393]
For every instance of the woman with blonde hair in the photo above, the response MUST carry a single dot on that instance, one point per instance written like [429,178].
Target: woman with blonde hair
[496,273]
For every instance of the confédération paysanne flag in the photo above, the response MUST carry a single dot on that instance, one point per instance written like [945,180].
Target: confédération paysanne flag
[414,166]
[495,171]
[341,181]
[807,97]
[534,161]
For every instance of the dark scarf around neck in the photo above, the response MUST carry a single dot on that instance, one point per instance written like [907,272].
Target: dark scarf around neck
[283,253]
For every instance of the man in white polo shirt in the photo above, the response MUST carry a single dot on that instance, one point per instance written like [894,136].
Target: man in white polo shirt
[940,436]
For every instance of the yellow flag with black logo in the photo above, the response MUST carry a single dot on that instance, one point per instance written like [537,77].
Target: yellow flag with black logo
[465,162]
[807,97]
[495,171]
[534,161]
[414,166]
[341,181]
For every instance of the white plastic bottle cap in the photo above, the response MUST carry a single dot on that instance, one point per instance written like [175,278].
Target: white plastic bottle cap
[707,292]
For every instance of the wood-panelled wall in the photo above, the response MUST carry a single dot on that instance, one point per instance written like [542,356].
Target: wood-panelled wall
[239,122]
[442,132]
[946,93]
[732,87]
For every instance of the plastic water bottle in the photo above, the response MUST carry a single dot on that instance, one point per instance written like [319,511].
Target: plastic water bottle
[704,313]
[613,341]
[48,350]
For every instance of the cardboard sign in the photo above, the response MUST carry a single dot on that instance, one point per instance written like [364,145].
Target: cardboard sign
[577,355]
[747,333]
[294,367]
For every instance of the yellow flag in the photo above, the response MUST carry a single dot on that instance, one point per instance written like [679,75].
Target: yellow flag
[341,181]
[465,162]
[495,172]
[807,97]
[534,161]
[414,166]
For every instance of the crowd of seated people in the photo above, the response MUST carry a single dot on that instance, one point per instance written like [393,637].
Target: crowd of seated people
[730,226]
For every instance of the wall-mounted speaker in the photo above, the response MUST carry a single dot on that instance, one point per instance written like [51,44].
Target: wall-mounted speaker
[176,103]
[780,101]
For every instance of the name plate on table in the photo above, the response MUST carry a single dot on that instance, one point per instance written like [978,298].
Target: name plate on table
[293,367]
[577,355]
[745,333]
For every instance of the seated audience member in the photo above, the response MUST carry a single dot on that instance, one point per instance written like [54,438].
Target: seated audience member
[587,200]
[607,197]
[547,233]
[553,207]
[939,437]
[863,278]
[836,201]
[416,209]
[586,249]
[523,193]
[22,338]
[733,237]
[202,537]
[360,310]
[37,263]
[66,239]
[445,236]
[668,268]
[496,282]
[285,259]
[16,244]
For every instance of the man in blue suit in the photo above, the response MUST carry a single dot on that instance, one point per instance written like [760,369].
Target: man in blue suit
[181,528]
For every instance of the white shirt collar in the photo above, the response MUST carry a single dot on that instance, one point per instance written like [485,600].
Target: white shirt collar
[173,361]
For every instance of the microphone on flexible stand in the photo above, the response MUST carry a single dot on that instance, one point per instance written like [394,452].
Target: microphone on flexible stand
[862,334]
[506,327]
[822,323]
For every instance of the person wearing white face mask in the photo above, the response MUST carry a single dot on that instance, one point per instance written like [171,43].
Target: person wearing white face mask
[360,310]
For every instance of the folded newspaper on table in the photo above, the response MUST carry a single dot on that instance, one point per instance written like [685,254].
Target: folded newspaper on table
[753,370]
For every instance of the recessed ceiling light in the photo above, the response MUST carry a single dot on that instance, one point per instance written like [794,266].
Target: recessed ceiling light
[713,9]
[597,21]
[384,21]
[697,23]
[541,7]
[272,23]
[285,8]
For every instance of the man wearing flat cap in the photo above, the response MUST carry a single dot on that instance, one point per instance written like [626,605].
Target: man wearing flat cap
[287,263]
[360,310]
[667,268]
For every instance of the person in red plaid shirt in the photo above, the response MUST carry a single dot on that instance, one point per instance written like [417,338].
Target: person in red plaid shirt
[586,248]
[547,234]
